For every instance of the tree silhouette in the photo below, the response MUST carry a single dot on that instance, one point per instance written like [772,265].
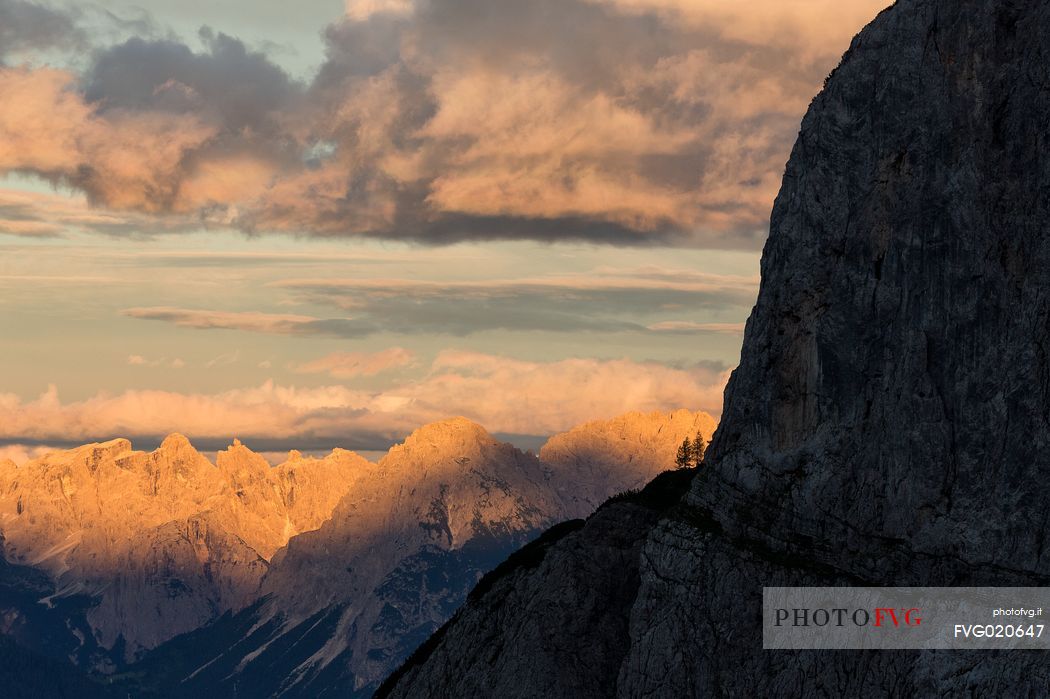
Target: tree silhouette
[684,458]
[697,450]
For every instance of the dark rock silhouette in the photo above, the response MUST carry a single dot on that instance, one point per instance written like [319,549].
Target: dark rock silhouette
[889,421]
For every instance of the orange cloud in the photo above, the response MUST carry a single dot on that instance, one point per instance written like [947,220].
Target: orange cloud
[361,10]
[139,360]
[21,453]
[121,159]
[818,26]
[348,365]
[278,323]
[548,397]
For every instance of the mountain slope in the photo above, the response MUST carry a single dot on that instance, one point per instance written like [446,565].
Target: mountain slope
[888,421]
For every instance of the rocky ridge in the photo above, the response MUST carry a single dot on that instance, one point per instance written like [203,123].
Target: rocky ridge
[888,421]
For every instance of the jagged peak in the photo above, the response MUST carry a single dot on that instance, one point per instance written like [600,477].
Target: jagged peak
[113,448]
[297,458]
[239,448]
[237,458]
[699,420]
[175,441]
[454,435]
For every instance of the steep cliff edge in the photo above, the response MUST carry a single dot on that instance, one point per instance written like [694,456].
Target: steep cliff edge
[889,420]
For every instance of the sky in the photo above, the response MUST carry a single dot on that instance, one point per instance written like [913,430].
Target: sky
[319,224]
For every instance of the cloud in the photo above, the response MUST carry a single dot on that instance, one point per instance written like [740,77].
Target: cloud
[348,365]
[609,301]
[685,327]
[28,26]
[55,215]
[139,360]
[505,395]
[630,122]
[226,84]
[363,10]
[225,359]
[120,159]
[271,323]
[523,397]
[815,25]
[21,453]
[568,304]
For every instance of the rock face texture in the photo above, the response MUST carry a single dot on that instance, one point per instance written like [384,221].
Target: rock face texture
[888,423]
[162,542]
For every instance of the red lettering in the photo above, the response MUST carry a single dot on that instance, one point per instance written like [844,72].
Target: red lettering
[888,610]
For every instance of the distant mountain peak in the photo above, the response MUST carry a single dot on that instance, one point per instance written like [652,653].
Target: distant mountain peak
[176,442]
[438,442]
[450,427]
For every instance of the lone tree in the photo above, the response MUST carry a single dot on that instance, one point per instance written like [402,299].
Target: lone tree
[684,458]
[697,450]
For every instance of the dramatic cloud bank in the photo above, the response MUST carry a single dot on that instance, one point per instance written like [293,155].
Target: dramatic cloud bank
[619,121]
[504,395]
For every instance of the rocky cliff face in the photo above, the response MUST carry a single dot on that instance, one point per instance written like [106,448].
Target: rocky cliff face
[887,425]
[164,542]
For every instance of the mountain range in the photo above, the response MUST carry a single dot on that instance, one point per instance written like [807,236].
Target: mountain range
[166,574]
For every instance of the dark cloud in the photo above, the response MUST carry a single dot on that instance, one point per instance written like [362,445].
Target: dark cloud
[461,309]
[32,26]
[237,87]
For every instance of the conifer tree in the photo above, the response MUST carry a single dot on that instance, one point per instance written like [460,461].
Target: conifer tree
[684,458]
[697,449]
